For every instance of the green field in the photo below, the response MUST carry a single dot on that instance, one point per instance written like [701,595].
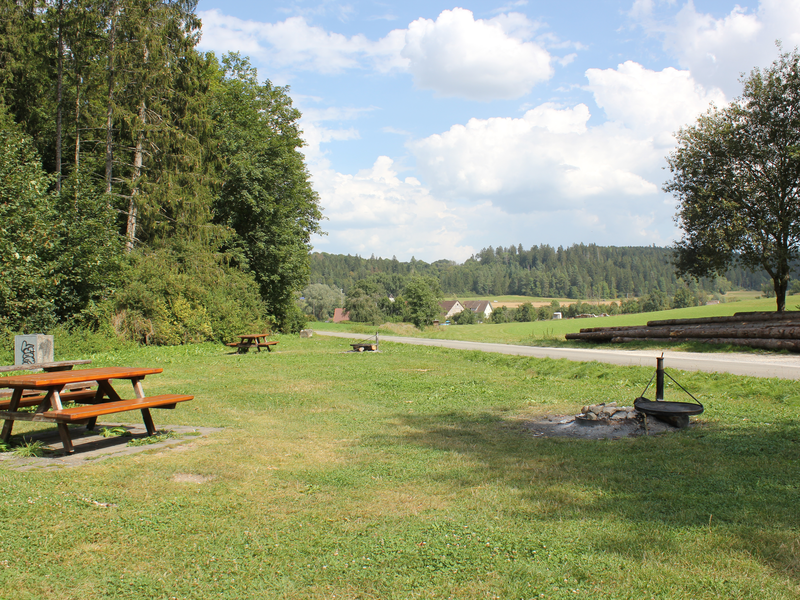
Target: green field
[552,332]
[534,299]
[410,473]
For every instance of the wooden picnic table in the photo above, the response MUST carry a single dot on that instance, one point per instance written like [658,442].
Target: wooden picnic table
[252,340]
[102,401]
[62,365]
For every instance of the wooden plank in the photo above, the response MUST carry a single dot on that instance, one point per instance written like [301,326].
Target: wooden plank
[48,366]
[80,396]
[81,413]
[11,416]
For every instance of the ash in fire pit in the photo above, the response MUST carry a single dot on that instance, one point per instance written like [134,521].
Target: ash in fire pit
[597,422]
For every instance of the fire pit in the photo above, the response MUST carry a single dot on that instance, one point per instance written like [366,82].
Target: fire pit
[604,414]
[675,413]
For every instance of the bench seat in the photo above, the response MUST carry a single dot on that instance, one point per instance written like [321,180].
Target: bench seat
[81,413]
[245,346]
[76,396]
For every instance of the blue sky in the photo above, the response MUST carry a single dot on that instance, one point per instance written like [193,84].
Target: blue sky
[436,129]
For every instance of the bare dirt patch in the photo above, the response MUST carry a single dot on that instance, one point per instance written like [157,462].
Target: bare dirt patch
[191,478]
[567,426]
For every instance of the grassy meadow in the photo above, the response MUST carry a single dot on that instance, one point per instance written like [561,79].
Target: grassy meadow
[410,473]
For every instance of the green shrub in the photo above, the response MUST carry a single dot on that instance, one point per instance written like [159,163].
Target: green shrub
[185,294]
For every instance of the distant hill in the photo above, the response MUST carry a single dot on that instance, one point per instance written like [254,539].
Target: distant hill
[579,271]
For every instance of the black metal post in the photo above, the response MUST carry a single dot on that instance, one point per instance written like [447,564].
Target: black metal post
[660,378]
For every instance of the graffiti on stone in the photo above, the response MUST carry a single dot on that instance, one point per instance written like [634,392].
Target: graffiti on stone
[28,353]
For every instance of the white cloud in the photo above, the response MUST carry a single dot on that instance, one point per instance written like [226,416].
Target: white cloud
[374,211]
[316,133]
[718,50]
[654,103]
[292,42]
[455,55]
[481,60]
[547,160]
[551,159]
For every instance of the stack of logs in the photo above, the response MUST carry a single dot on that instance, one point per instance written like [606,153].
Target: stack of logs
[770,330]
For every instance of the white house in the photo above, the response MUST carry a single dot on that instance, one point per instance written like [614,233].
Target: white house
[450,308]
[482,308]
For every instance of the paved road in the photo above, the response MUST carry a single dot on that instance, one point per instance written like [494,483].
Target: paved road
[756,365]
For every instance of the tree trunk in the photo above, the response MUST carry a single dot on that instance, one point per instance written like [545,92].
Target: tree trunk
[77,138]
[78,82]
[77,123]
[110,106]
[130,232]
[59,92]
[781,284]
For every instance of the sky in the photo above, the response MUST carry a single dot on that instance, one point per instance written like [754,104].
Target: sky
[436,129]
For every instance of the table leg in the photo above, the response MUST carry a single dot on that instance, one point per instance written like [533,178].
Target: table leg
[148,421]
[104,388]
[9,424]
[66,441]
[55,399]
[138,390]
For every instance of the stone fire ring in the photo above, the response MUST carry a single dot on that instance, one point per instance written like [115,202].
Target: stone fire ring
[608,422]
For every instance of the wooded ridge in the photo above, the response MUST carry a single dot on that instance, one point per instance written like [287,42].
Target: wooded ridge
[580,271]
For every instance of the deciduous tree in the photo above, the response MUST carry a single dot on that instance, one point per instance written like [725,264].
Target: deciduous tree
[321,300]
[422,294]
[266,195]
[736,173]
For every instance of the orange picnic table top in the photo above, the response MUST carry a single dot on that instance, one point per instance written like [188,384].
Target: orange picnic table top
[34,381]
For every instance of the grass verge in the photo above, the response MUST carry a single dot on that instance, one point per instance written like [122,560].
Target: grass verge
[409,473]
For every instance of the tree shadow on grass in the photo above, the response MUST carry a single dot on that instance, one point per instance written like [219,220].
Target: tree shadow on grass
[741,480]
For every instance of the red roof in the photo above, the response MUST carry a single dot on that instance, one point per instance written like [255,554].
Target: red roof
[339,315]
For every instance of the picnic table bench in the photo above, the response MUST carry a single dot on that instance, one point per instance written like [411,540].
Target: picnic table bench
[103,401]
[252,340]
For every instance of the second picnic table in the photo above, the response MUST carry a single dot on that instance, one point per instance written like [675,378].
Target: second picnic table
[252,340]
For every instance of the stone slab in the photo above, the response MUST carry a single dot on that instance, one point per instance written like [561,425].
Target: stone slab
[90,446]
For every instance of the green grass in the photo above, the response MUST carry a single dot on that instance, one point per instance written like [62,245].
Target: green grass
[409,473]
